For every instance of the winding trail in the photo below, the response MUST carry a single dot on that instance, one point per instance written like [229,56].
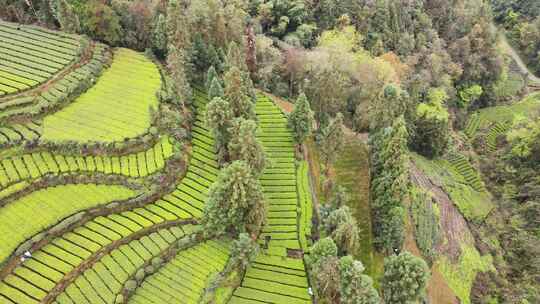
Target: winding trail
[508,49]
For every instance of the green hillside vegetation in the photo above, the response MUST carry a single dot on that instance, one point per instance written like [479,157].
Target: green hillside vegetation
[251,152]
[461,275]
[490,119]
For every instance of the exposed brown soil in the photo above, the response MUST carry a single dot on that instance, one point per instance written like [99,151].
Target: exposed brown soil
[438,291]
[453,224]
[455,233]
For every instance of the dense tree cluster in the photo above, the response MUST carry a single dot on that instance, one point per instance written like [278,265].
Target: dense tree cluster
[63,12]
[342,227]
[514,178]
[356,287]
[339,279]
[178,58]
[405,278]
[243,145]
[243,251]
[390,184]
[431,128]
[521,18]
[237,94]
[235,202]
[301,120]
[218,119]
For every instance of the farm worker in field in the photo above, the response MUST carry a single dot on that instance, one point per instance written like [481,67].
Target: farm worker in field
[26,255]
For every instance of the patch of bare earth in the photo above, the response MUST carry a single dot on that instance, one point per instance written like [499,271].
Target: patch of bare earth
[453,224]
[455,233]
[438,291]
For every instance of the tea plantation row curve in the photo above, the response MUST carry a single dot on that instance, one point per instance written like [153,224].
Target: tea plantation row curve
[42,273]
[31,55]
[184,279]
[115,108]
[34,165]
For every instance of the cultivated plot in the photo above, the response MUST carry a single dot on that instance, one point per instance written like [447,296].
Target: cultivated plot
[31,55]
[115,108]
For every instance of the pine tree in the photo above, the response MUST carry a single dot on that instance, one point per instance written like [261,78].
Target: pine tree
[301,119]
[390,184]
[159,36]
[405,278]
[332,140]
[235,202]
[244,145]
[355,286]
[218,117]
[341,226]
[210,76]
[215,90]
[178,60]
[63,12]
[322,249]
[236,58]
[323,264]
[214,58]
[243,251]
[237,96]
[199,55]
[251,60]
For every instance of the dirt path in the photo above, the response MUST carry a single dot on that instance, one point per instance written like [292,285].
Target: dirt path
[507,48]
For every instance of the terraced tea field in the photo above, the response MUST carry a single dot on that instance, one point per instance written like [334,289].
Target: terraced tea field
[107,277]
[26,217]
[32,55]
[38,164]
[464,167]
[59,91]
[16,133]
[101,233]
[185,277]
[92,261]
[116,107]
[276,277]
[461,181]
